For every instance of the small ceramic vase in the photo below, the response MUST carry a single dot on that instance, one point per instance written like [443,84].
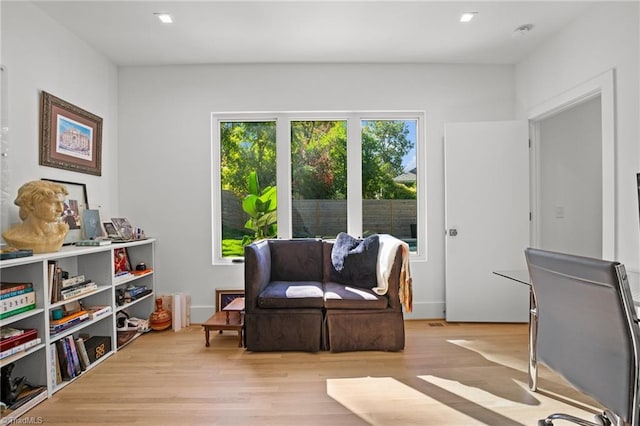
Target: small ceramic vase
[160,319]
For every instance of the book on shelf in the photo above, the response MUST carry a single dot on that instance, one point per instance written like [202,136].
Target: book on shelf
[14,253]
[17,300]
[123,276]
[57,328]
[17,304]
[63,358]
[75,357]
[13,289]
[55,281]
[82,353]
[51,266]
[78,279]
[98,311]
[92,243]
[25,336]
[79,290]
[56,375]
[20,348]
[141,272]
[142,294]
[7,332]
[135,292]
[65,319]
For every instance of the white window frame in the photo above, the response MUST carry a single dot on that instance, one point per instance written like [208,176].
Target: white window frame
[283,169]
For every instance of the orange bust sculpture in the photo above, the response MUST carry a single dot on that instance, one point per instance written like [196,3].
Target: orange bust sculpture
[41,207]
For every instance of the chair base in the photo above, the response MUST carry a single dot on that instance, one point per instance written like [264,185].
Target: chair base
[602,419]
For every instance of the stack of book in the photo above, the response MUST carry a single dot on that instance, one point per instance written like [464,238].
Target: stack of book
[16,298]
[68,321]
[16,340]
[65,289]
[133,292]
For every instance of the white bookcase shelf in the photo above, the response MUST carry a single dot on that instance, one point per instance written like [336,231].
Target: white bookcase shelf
[37,363]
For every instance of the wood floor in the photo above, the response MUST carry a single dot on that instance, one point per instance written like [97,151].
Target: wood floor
[449,374]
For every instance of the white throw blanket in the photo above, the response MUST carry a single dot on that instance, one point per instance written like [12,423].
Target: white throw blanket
[386,255]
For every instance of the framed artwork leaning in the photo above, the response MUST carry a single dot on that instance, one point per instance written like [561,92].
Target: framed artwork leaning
[123,226]
[224,297]
[70,137]
[121,263]
[73,207]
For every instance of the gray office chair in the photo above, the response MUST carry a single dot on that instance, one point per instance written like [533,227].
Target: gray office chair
[588,331]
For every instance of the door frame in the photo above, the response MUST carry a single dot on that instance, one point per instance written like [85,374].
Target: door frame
[603,86]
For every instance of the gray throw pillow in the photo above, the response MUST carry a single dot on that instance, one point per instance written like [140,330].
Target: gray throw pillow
[355,260]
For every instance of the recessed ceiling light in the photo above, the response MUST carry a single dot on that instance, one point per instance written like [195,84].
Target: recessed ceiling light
[165,18]
[467,16]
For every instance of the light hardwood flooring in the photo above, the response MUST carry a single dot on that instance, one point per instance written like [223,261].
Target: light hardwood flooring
[449,374]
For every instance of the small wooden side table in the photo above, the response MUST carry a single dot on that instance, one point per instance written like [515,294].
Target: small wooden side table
[230,318]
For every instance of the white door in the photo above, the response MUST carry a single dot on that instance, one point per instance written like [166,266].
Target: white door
[487,220]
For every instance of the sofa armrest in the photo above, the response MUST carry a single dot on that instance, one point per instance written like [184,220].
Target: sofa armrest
[257,272]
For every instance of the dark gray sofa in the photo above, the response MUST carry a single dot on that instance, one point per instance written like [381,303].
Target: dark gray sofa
[293,303]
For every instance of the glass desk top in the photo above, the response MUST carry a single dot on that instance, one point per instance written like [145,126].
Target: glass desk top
[522,276]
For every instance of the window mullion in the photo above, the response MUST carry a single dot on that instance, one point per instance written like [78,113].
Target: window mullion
[283,175]
[354,175]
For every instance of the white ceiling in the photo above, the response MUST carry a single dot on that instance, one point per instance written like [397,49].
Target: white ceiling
[392,31]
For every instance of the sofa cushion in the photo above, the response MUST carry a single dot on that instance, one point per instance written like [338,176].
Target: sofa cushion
[291,294]
[340,296]
[296,260]
[358,259]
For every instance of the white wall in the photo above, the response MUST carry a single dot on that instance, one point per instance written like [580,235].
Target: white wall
[605,38]
[165,155]
[39,55]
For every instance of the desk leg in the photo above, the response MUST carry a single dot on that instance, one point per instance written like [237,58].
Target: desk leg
[206,336]
[533,339]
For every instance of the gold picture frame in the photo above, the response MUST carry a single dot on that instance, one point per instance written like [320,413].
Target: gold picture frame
[70,137]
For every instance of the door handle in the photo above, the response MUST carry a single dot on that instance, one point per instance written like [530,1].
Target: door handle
[453,232]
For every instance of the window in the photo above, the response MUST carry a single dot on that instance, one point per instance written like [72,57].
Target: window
[300,175]
[318,178]
[389,179]
[248,193]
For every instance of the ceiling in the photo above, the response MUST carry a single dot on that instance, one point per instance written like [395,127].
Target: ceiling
[392,31]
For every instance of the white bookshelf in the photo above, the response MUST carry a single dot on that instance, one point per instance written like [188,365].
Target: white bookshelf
[36,364]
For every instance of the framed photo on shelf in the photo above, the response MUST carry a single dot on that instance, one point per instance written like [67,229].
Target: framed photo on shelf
[70,137]
[110,230]
[123,227]
[91,223]
[121,261]
[74,206]
[224,297]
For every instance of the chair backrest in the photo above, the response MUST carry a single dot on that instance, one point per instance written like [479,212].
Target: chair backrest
[587,326]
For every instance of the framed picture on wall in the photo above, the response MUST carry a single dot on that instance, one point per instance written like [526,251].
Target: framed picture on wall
[70,137]
[224,297]
[73,207]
